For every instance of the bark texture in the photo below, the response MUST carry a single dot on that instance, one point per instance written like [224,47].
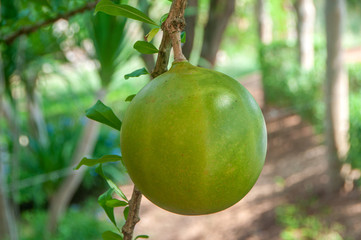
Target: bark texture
[133,216]
[306,15]
[264,22]
[337,108]
[220,12]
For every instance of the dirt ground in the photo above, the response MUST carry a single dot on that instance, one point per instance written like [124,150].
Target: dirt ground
[295,171]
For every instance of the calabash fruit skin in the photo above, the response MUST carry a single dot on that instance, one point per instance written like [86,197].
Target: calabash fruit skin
[193,140]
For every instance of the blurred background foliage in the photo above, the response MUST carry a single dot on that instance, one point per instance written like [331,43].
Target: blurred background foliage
[51,76]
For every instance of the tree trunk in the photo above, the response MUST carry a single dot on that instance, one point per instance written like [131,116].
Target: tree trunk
[36,120]
[306,15]
[220,12]
[61,199]
[264,21]
[337,109]
[191,21]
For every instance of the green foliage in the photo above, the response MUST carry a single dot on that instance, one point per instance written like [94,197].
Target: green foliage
[130,98]
[108,34]
[145,47]
[91,162]
[109,235]
[42,159]
[288,86]
[297,223]
[354,154]
[103,114]
[354,75]
[136,73]
[151,34]
[124,10]
[85,223]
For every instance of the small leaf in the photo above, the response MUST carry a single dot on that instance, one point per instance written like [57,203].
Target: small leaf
[183,37]
[91,162]
[145,47]
[116,203]
[109,235]
[108,210]
[141,236]
[130,98]
[149,37]
[116,189]
[103,114]
[124,10]
[163,18]
[111,184]
[136,73]
[125,213]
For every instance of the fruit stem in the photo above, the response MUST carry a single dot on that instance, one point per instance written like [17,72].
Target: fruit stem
[172,28]
[174,25]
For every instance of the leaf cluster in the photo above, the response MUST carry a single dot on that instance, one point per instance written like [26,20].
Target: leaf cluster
[105,115]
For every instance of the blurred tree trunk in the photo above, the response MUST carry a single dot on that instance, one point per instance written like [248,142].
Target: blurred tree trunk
[62,197]
[220,12]
[8,225]
[264,21]
[36,120]
[191,21]
[337,109]
[306,15]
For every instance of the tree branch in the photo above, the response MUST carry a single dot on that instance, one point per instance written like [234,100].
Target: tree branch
[174,25]
[163,56]
[30,29]
[133,216]
[172,28]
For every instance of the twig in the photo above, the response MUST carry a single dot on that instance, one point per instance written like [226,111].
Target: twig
[163,56]
[133,216]
[27,30]
[172,28]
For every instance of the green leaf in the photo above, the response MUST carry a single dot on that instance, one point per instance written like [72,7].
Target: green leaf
[130,98]
[109,235]
[183,37]
[116,203]
[163,18]
[125,213]
[111,184]
[102,200]
[91,162]
[145,47]
[141,236]
[136,73]
[124,10]
[103,114]
[149,37]
[116,189]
